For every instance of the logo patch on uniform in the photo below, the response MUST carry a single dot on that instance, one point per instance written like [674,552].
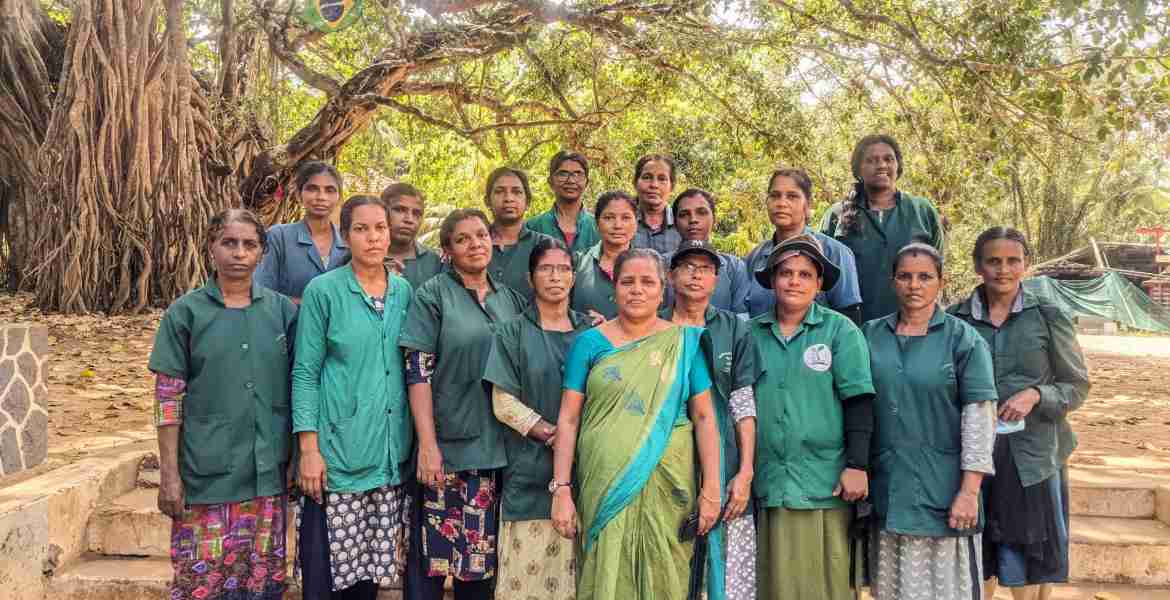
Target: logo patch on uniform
[818,357]
[723,363]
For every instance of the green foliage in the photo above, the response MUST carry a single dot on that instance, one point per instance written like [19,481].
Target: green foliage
[1049,116]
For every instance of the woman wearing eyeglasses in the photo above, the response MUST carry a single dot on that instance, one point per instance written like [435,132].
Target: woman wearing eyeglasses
[524,369]
[568,220]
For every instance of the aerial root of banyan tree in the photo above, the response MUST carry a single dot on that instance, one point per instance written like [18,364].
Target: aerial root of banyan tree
[127,193]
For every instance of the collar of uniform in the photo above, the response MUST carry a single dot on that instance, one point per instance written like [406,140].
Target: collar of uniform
[668,222]
[211,288]
[305,237]
[593,253]
[420,250]
[525,233]
[532,313]
[354,285]
[454,275]
[976,304]
[936,320]
[865,197]
[351,280]
[581,214]
[668,312]
[814,316]
[772,241]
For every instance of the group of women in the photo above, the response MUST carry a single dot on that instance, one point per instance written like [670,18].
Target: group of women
[617,426]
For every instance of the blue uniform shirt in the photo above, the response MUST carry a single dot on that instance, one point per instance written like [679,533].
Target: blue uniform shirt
[844,294]
[292,259]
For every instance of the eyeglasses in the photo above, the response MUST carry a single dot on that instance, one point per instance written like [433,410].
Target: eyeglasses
[564,176]
[547,270]
[693,269]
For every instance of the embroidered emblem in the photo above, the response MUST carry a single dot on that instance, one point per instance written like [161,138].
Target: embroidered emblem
[723,363]
[818,357]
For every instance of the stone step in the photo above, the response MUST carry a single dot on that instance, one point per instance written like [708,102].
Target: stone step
[1120,550]
[1106,494]
[101,578]
[105,578]
[130,525]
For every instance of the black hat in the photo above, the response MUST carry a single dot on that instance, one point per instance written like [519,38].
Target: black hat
[694,247]
[806,245]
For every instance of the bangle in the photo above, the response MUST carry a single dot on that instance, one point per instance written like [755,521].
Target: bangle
[704,497]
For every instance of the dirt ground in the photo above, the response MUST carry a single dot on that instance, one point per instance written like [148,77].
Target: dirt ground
[99,384]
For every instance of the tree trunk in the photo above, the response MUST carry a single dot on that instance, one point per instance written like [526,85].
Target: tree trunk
[31,51]
[127,193]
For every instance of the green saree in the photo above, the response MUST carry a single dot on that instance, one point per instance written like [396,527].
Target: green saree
[635,462]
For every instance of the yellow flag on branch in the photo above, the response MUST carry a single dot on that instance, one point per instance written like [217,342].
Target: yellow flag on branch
[331,15]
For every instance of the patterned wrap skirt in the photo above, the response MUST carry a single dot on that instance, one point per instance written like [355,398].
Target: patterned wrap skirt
[364,538]
[459,526]
[230,551]
[536,563]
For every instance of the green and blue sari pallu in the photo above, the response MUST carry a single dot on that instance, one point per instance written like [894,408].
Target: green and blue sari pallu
[631,504]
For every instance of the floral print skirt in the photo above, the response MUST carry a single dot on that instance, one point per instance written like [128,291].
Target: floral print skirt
[230,551]
[536,563]
[459,526]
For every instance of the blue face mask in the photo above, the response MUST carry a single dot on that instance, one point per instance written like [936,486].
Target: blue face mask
[1005,427]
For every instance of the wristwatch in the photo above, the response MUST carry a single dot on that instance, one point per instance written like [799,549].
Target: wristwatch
[555,485]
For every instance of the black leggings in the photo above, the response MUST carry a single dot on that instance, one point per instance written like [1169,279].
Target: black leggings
[316,568]
[432,589]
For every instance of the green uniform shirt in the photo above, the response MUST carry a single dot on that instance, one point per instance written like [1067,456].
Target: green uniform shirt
[510,263]
[922,384]
[877,241]
[348,380]
[592,288]
[587,234]
[1035,347]
[528,362]
[735,362]
[425,264]
[234,438]
[800,423]
[447,320]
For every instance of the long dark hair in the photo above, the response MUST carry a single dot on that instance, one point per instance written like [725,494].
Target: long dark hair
[998,233]
[850,209]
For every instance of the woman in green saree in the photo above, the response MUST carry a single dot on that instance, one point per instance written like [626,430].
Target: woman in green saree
[623,421]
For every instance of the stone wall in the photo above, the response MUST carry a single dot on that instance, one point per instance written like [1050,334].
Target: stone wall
[24,417]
